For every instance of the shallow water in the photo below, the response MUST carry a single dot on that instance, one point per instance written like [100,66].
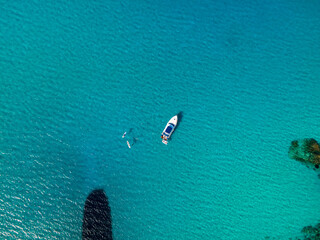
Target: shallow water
[75,76]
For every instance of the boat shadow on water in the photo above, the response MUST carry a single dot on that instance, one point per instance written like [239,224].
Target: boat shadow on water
[97,223]
[180,117]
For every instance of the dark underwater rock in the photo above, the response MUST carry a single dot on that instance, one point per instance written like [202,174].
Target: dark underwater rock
[97,217]
[306,150]
[311,232]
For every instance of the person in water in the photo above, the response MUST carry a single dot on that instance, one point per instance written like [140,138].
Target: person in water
[124,134]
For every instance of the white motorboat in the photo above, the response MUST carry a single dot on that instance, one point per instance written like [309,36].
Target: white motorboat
[168,130]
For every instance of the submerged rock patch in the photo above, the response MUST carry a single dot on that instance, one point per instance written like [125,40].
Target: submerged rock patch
[306,150]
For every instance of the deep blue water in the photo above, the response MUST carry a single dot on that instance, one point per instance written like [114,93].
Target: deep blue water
[76,75]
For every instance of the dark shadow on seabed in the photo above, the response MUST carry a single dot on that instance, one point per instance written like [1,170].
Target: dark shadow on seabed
[97,217]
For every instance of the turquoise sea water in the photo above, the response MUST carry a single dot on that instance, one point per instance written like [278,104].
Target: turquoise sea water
[75,75]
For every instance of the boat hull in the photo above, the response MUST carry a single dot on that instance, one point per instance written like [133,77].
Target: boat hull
[171,125]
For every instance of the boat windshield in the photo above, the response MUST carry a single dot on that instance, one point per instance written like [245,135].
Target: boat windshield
[169,129]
